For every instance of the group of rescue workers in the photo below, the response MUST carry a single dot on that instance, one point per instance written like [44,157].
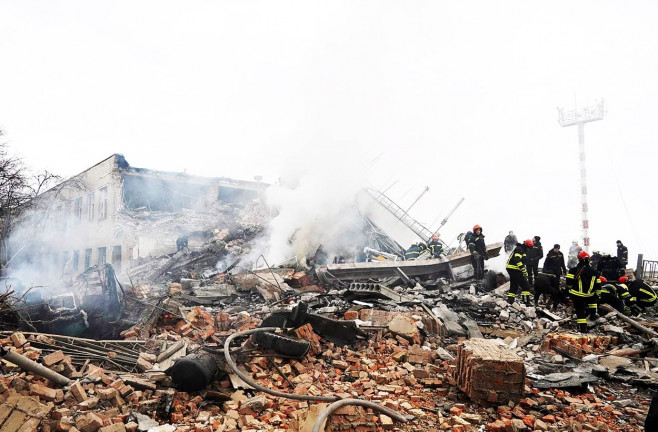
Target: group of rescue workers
[590,280]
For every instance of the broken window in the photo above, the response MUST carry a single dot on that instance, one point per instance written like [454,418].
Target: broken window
[90,206]
[87,258]
[102,204]
[76,260]
[77,209]
[116,258]
[161,194]
[231,195]
[102,252]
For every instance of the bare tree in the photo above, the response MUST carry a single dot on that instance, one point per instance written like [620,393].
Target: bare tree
[17,189]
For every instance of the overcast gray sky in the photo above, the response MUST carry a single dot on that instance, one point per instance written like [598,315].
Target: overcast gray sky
[457,96]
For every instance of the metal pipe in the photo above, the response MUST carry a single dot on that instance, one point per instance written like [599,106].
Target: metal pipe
[358,402]
[32,366]
[248,380]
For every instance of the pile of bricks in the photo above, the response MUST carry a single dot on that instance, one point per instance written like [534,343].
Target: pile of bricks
[398,367]
[489,372]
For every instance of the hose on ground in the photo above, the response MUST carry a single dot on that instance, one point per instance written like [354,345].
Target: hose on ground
[358,402]
[248,380]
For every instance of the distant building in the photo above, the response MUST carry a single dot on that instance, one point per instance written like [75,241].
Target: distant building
[110,213]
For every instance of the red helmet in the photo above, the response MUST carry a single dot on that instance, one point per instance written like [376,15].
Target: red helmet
[583,255]
[528,243]
[623,279]
[602,279]
[475,227]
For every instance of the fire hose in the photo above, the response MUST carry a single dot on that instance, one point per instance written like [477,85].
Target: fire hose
[248,380]
[326,413]
[358,402]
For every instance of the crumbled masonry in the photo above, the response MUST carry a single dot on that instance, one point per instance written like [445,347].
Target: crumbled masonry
[420,348]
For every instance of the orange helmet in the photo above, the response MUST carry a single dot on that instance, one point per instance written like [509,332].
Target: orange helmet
[475,227]
[528,243]
[602,279]
[583,255]
[623,279]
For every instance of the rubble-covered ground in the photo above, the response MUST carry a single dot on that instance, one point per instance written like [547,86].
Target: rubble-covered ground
[435,351]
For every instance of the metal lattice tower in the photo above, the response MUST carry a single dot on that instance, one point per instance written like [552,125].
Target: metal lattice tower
[579,117]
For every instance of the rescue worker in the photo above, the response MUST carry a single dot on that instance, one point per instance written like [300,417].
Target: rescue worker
[594,259]
[614,295]
[554,262]
[435,246]
[574,250]
[548,284]
[583,283]
[414,250]
[478,249]
[535,253]
[510,242]
[624,293]
[518,273]
[610,267]
[181,243]
[622,253]
[643,293]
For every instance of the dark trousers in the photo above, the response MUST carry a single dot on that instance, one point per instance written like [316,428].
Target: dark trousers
[584,306]
[517,280]
[533,271]
[477,261]
[550,288]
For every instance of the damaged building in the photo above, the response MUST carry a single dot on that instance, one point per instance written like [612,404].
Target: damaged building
[109,213]
[365,343]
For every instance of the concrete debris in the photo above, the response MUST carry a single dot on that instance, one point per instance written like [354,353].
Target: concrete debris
[417,338]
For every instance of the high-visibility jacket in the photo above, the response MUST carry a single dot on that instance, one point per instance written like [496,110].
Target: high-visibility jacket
[618,290]
[517,258]
[583,281]
[643,292]
[436,248]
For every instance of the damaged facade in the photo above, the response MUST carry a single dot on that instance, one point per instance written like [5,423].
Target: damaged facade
[110,213]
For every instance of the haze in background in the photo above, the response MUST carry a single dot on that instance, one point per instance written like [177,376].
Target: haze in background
[459,97]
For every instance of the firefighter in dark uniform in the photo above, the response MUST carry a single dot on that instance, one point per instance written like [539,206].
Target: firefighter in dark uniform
[594,259]
[610,267]
[435,246]
[622,253]
[583,283]
[615,295]
[554,262]
[414,250]
[535,253]
[518,274]
[478,249]
[643,293]
[548,284]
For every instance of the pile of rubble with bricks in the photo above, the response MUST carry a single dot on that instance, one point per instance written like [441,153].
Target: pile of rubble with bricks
[411,367]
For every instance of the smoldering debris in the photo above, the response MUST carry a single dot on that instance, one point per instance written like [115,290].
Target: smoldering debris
[420,337]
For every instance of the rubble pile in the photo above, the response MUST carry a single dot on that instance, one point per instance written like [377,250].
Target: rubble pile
[209,344]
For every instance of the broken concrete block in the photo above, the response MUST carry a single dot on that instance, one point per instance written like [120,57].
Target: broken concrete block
[405,327]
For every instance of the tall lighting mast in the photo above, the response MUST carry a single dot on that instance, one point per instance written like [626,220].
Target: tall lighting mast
[579,117]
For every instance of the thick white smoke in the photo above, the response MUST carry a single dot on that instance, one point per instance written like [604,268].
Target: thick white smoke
[312,208]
